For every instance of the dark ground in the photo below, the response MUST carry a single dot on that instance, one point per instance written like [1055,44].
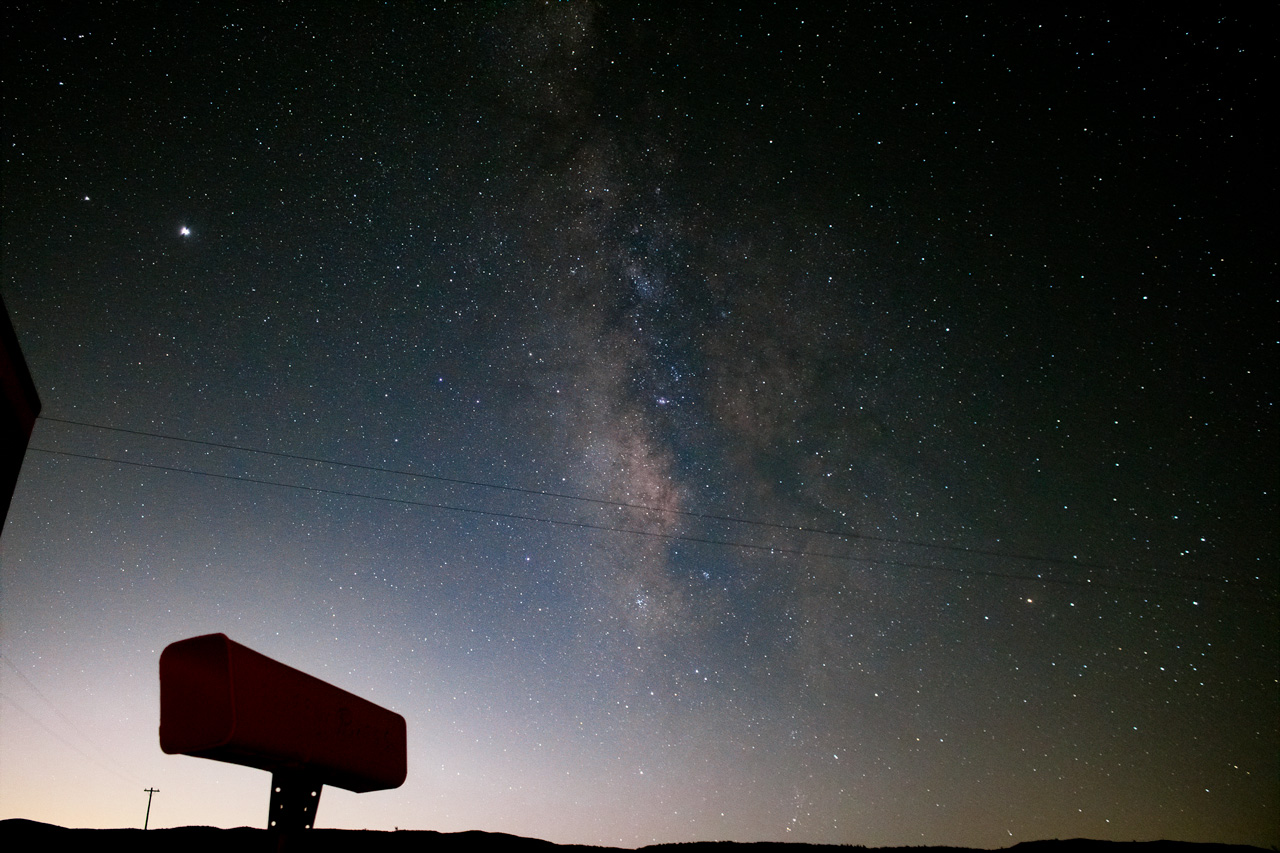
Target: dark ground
[18,834]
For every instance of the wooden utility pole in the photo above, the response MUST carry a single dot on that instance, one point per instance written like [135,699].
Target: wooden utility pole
[150,792]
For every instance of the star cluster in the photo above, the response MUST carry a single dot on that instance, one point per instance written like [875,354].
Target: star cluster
[841,426]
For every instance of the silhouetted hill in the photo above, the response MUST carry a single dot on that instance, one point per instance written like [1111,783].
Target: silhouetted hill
[23,835]
[1075,845]
[17,834]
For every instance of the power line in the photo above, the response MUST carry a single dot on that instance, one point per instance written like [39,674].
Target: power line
[119,771]
[771,549]
[843,535]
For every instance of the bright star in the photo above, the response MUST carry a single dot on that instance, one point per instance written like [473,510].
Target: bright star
[184,231]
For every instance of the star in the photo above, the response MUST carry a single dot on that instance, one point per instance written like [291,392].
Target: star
[700,338]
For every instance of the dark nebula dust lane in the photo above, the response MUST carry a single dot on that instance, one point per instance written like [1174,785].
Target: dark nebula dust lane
[830,425]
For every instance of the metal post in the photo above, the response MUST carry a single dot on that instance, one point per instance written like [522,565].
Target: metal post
[151,792]
[295,796]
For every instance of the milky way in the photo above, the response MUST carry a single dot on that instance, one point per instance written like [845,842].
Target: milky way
[849,427]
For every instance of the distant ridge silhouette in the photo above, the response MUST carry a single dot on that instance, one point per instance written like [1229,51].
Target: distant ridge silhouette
[22,834]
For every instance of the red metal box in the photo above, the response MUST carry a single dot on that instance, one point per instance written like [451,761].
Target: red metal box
[222,700]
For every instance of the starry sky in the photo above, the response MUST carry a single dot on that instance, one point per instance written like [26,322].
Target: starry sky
[846,425]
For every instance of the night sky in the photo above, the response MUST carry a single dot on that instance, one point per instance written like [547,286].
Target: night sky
[700,423]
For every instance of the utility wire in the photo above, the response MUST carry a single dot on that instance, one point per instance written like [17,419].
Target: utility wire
[68,744]
[771,549]
[843,535]
[119,771]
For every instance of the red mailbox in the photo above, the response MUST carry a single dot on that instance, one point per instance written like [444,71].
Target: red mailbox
[222,700]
